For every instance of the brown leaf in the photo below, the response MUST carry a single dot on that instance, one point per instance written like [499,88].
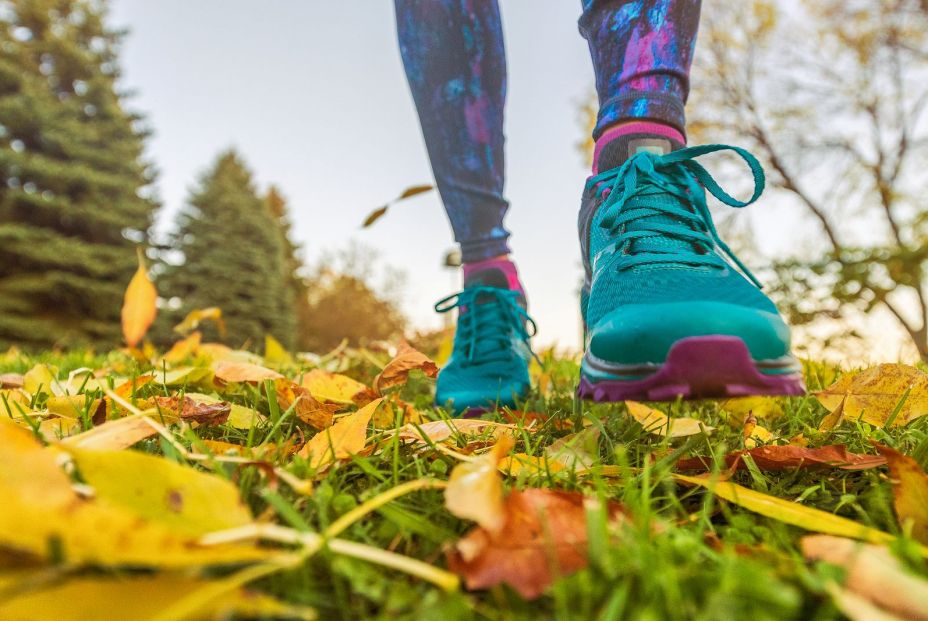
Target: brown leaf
[542,538]
[910,491]
[11,380]
[872,395]
[341,440]
[378,213]
[243,372]
[308,409]
[790,456]
[189,410]
[872,573]
[138,307]
[441,430]
[397,370]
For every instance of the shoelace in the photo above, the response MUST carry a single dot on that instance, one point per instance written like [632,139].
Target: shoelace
[489,316]
[632,191]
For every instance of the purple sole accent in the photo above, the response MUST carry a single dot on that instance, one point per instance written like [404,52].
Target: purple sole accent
[697,367]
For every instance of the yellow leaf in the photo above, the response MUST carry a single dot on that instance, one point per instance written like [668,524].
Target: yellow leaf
[113,434]
[873,394]
[42,378]
[333,387]
[910,492]
[183,349]
[475,488]
[531,465]
[346,437]
[441,430]
[576,450]
[656,422]
[139,305]
[243,372]
[274,352]
[767,408]
[788,511]
[182,376]
[397,370]
[187,500]
[195,317]
[42,515]
[139,598]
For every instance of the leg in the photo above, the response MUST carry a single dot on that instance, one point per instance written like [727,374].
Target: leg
[456,66]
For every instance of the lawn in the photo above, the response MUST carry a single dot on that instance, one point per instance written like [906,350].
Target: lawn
[205,481]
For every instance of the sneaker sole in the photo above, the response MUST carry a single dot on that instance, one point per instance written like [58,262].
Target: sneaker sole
[697,367]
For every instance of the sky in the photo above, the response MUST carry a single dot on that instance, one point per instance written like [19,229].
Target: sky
[312,93]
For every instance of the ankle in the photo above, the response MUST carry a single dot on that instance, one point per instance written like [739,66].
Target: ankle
[637,127]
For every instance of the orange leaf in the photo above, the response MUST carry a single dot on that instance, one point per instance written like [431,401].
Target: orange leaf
[397,370]
[543,537]
[243,372]
[790,456]
[307,409]
[910,491]
[336,388]
[138,306]
[341,440]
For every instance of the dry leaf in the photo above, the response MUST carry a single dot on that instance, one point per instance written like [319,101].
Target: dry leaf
[113,434]
[873,394]
[531,465]
[577,449]
[475,488]
[543,537]
[346,437]
[658,423]
[336,388]
[393,408]
[307,409]
[378,213]
[910,492]
[195,317]
[873,574]
[440,430]
[11,380]
[229,371]
[190,410]
[397,370]
[139,305]
[183,349]
[274,352]
[790,456]
[767,408]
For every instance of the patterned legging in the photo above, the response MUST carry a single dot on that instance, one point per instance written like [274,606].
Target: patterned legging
[456,65]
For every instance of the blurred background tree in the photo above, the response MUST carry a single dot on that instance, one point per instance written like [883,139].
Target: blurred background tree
[831,95]
[235,256]
[74,187]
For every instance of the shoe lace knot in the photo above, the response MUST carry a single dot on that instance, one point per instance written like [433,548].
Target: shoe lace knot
[656,211]
[488,320]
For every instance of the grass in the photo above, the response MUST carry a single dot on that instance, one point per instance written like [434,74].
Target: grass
[686,555]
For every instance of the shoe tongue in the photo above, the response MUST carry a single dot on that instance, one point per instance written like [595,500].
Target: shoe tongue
[489,277]
[621,148]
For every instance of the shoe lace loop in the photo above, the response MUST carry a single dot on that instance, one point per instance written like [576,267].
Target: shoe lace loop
[637,209]
[487,321]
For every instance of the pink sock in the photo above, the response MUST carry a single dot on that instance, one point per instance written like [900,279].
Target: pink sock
[506,266]
[638,127]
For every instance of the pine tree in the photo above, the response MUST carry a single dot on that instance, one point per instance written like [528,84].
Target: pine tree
[295,299]
[73,184]
[233,257]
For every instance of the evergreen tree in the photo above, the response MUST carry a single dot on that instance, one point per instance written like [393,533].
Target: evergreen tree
[233,257]
[294,303]
[73,184]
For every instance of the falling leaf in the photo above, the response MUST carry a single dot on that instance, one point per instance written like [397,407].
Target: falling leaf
[397,370]
[139,305]
[243,372]
[910,492]
[347,436]
[656,422]
[873,394]
[274,352]
[790,456]
[188,501]
[306,408]
[188,409]
[440,430]
[381,211]
[140,598]
[183,349]
[872,573]
[42,515]
[544,536]
[113,434]
[195,317]
[787,511]
[475,488]
[336,388]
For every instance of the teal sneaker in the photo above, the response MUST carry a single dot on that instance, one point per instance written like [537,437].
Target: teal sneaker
[488,367]
[669,311]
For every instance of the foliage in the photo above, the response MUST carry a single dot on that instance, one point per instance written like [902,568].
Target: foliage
[832,96]
[234,257]
[73,183]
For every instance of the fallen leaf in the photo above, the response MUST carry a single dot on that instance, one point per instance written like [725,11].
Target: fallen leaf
[787,511]
[183,376]
[531,465]
[183,349]
[658,423]
[767,408]
[791,456]
[579,449]
[872,573]
[307,409]
[754,434]
[139,305]
[195,317]
[11,380]
[336,388]
[346,437]
[544,536]
[232,372]
[475,488]
[872,395]
[41,379]
[190,410]
[440,430]
[140,598]
[397,370]
[395,408]
[113,434]
[910,492]
[274,352]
